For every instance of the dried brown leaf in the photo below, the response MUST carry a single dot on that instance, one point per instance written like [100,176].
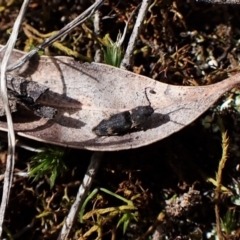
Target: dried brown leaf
[87,93]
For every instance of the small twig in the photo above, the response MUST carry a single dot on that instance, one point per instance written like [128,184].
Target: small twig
[3,48]
[126,62]
[96,23]
[18,174]
[80,19]
[28,148]
[11,136]
[21,144]
[120,41]
[81,195]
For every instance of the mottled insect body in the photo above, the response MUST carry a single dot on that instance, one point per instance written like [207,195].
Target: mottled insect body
[27,93]
[123,122]
[140,114]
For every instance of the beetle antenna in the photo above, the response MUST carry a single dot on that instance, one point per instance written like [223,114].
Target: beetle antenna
[152,91]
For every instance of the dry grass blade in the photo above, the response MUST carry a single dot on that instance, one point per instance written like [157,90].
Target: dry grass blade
[80,19]
[225,147]
[11,135]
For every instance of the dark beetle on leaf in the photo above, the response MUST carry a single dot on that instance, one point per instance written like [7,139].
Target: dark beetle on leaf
[123,122]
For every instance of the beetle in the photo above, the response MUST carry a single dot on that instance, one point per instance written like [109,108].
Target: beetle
[27,93]
[123,122]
